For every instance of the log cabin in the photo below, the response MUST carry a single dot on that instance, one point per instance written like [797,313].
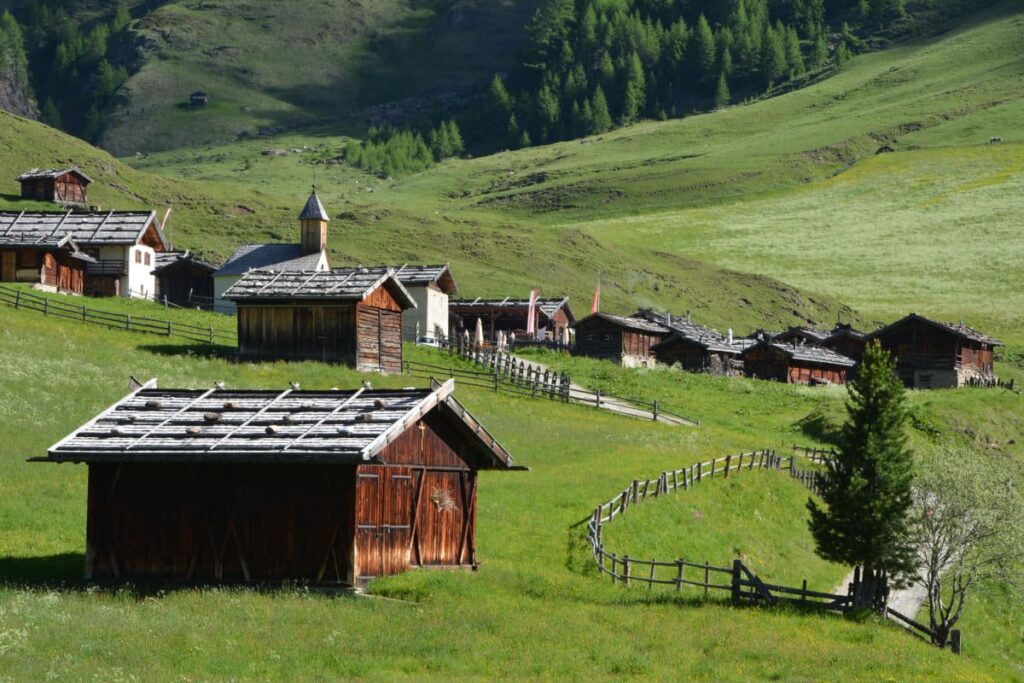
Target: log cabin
[59,185]
[510,316]
[931,354]
[183,279]
[630,342]
[309,254]
[795,363]
[846,340]
[694,347]
[258,487]
[120,246]
[351,316]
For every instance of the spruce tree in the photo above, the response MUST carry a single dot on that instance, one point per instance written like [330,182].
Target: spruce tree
[702,53]
[864,519]
[634,90]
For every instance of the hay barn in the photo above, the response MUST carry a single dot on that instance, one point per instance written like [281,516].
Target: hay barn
[324,488]
[795,363]
[350,316]
[61,185]
[931,354]
[629,342]
[183,279]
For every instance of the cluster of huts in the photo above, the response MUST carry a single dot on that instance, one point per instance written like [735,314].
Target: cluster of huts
[335,488]
[291,304]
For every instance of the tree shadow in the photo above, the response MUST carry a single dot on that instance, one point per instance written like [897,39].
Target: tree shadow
[205,351]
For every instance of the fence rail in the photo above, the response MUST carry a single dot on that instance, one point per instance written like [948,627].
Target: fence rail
[21,299]
[542,382]
[743,584]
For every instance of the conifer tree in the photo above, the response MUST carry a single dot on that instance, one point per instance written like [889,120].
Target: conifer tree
[602,118]
[634,91]
[722,94]
[864,519]
[702,54]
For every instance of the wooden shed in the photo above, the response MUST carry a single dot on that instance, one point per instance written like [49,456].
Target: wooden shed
[55,262]
[198,99]
[510,316]
[183,279]
[324,488]
[63,185]
[351,316]
[931,354]
[846,340]
[697,351]
[795,363]
[629,342]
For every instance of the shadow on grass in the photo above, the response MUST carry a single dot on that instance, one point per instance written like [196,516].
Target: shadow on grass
[64,572]
[228,353]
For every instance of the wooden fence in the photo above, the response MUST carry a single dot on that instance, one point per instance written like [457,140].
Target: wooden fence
[742,583]
[540,381]
[23,300]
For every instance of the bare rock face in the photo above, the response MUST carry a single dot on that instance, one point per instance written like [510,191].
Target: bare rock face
[13,97]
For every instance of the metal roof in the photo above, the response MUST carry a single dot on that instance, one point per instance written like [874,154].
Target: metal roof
[228,426]
[809,354]
[86,229]
[419,276]
[549,307]
[960,330]
[51,173]
[632,323]
[346,284]
[313,210]
[269,257]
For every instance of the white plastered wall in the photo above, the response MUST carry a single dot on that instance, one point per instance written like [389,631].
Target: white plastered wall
[431,313]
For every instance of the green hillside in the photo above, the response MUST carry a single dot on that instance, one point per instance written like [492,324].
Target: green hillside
[534,610]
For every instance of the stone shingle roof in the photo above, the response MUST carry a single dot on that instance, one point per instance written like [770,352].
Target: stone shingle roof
[167,259]
[313,210]
[269,257]
[86,229]
[810,354]
[959,329]
[230,426]
[344,284]
[549,307]
[51,173]
[419,276]
[632,323]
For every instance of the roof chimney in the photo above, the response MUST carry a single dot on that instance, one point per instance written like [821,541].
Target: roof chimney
[313,225]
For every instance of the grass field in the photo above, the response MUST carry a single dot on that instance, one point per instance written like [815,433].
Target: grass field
[529,612]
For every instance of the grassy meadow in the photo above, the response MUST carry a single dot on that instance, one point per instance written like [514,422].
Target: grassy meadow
[534,610]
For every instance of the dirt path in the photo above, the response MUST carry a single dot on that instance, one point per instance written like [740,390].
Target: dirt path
[614,405]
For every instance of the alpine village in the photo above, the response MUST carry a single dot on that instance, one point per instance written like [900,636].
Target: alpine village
[396,340]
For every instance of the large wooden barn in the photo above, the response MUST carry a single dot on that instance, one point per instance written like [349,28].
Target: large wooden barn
[351,316]
[846,340]
[795,363]
[326,488]
[61,185]
[629,342]
[931,354]
[511,316]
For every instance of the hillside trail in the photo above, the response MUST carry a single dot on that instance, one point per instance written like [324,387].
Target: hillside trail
[613,405]
[907,601]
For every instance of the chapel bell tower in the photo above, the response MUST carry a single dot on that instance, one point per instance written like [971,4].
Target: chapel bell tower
[313,221]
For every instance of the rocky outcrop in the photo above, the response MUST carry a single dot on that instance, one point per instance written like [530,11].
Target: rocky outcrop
[14,97]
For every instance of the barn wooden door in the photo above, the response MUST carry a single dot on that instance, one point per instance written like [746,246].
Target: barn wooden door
[8,266]
[49,270]
[384,509]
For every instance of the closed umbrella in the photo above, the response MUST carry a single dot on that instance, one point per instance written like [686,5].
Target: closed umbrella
[479,332]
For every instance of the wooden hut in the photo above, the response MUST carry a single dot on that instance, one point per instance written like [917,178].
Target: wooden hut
[510,316]
[931,354]
[629,342]
[62,185]
[795,363]
[845,340]
[56,263]
[199,99]
[183,279]
[351,316]
[694,347]
[326,488]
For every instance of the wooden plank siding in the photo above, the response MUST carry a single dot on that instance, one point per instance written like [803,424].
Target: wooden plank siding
[52,268]
[220,523]
[766,362]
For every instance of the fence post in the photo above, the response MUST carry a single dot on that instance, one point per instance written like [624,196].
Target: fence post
[636,488]
[654,413]
[128,322]
[707,578]
[211,334]
[713,461]
[83,313]
[46,305]
[625,569]
[700,473]
[737,567]
[679,574]
[614,560]
[728,463]
[168,328]
[17,299]
[955,643]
